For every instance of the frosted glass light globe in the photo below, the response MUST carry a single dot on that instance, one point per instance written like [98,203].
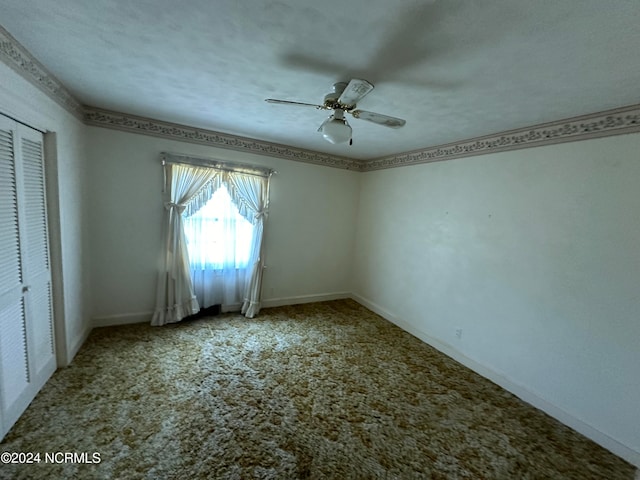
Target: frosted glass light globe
[336,131]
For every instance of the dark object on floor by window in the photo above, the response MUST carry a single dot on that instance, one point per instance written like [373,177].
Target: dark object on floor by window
[211,311]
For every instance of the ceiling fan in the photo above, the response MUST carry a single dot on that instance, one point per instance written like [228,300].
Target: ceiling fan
[344,98]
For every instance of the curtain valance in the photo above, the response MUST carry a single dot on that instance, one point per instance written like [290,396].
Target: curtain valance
[229,173]
[167,157]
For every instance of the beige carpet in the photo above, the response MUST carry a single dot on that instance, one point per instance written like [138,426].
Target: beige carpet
[322,391]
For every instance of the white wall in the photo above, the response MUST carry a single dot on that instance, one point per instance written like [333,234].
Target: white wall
[308,237]
[535,254]
[65,189]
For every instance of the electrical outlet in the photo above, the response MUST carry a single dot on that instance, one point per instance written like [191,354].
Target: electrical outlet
[458,333]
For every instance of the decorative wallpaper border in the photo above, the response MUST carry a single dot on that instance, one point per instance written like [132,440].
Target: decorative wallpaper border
[607,123]
[617,121]
[17,57]
[602,124]
[173,131]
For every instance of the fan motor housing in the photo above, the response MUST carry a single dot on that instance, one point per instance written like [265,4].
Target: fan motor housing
[331,99]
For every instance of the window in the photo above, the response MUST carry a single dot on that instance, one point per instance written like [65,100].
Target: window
[212,252]
[218,237]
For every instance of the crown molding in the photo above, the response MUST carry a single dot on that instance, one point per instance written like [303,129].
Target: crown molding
[173,131]
[19,59]
[602,124]
[617,121]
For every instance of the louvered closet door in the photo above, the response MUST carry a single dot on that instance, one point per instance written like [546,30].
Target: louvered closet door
[27,355]
[14,384]
[35,255]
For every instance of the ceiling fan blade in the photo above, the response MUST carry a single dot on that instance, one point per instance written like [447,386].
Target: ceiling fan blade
[287,102]
[386,120]
[355,91]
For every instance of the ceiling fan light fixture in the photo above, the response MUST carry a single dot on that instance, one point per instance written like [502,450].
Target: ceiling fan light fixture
[336,130]
[344,99]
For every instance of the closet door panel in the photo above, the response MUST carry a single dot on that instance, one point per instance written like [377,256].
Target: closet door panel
[36,260]
[14,354]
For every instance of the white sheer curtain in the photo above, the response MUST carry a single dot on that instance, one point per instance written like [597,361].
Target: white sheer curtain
[219,244]
[188,187]
[251,195]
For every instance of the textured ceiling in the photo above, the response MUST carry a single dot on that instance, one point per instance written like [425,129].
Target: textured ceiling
[454,70]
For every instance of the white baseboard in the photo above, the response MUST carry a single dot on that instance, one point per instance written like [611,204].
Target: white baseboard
[322,297]
[145,317]
[122,319]
[234,307]
[520,391]
[76,345]
[279,302]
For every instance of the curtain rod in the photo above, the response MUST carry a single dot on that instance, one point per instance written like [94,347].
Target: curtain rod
[218,164]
